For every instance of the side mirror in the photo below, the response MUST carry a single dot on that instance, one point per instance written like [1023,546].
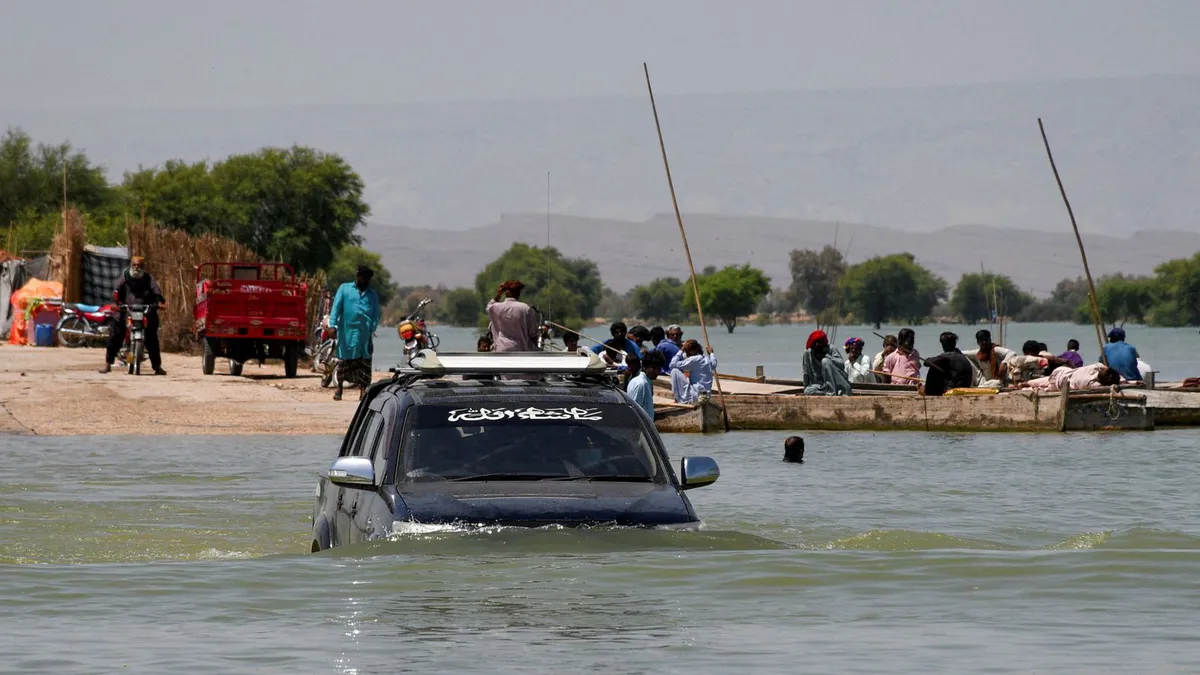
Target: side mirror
[697,472]
[352,472]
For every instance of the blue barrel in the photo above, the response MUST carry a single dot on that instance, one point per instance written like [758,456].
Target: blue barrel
[43,335]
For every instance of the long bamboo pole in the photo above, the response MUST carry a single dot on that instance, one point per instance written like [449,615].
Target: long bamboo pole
[662,144]
[1096,318]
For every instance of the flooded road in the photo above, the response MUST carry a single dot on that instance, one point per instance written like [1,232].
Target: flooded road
[896,552]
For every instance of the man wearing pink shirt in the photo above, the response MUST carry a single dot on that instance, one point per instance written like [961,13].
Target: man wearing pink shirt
[905,361]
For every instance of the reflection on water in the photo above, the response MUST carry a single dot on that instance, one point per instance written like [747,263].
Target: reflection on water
[899,552]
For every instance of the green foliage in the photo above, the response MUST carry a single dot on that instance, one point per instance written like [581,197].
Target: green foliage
[297,205]
[1177,293]
[732,292]
[460,307]
[892,287]
[344,266]
[661,300]
[614,306]
[31,180]
[977,295]
[564,289]
[816,279]
[1122,299]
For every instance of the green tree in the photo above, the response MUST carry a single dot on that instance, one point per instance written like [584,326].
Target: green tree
[1177,293]
[297,205]
[31,179]
[564,289]
[732,292]
[976,296]
[1123,298]
[182,196]
[816,278]
[460,307]
[345,265]
[660,300]
[893,286]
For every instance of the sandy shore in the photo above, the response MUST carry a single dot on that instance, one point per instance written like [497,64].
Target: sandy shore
[55,391]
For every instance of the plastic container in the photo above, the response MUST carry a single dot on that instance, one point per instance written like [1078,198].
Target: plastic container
[43,335]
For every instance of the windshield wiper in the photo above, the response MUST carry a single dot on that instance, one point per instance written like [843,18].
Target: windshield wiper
[512,476]
[613,478]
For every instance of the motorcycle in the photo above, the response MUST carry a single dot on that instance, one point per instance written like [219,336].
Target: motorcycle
[83,325]
[414,334]
[325,359]
[134,351]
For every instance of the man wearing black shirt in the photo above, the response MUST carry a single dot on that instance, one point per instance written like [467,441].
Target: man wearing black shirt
[136,287]
[949,370]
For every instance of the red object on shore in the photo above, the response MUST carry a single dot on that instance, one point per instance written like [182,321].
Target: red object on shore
[247,311]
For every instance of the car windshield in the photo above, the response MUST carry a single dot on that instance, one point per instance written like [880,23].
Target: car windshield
[527,441]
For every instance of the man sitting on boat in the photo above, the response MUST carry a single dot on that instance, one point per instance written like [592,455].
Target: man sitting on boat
[858,365]
[692,373]
[949,370]
[1087,377]
[990,361]
[903,366]
[824,371]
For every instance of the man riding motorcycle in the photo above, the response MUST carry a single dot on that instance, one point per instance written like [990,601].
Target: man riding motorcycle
[136,287]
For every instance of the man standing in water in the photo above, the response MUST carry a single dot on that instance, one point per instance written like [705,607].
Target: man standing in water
[512,323]
[355,315]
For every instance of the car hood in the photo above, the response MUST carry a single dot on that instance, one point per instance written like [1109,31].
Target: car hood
[534,503]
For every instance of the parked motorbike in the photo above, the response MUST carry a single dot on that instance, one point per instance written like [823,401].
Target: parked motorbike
[134,352]
[84,325]
[413,332]
[325,359]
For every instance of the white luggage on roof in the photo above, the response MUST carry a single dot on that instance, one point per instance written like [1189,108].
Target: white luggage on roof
[429,362]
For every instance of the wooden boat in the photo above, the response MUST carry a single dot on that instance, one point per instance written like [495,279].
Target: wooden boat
[776,406]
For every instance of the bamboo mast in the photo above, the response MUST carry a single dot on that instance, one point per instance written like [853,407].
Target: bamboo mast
[687,251]
[1095,308]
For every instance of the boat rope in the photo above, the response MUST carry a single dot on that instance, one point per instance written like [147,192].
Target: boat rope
[1114,409]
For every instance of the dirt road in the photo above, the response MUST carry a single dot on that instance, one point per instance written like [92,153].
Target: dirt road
[55,391]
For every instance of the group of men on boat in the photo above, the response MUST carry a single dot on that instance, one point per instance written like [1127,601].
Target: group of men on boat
[640,354]
[990,367]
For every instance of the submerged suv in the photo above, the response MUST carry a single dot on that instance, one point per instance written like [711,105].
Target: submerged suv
[560,445]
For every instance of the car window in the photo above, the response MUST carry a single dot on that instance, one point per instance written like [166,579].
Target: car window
[365,446]
[390,416]
[527,441]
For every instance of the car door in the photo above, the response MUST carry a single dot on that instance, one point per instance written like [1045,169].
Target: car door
[360,502]
[344,498]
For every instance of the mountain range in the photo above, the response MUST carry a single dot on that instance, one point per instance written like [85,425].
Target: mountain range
[629,253]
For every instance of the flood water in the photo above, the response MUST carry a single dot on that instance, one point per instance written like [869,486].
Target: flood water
[884,552]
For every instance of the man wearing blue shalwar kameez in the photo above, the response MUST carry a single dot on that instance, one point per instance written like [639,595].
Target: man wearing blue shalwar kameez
[355,315]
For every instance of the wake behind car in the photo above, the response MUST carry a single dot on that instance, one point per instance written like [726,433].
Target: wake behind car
[560,445]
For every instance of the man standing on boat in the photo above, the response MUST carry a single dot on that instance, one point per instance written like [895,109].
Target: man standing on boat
[1122,356]
[949,370]
[824,371]
[664,345]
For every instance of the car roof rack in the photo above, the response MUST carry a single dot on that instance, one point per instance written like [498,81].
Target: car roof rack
[430,363]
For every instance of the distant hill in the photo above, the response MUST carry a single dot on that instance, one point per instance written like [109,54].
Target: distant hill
[630,253]
[915,158]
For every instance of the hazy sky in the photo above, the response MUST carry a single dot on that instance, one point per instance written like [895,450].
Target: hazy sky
[162,53]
